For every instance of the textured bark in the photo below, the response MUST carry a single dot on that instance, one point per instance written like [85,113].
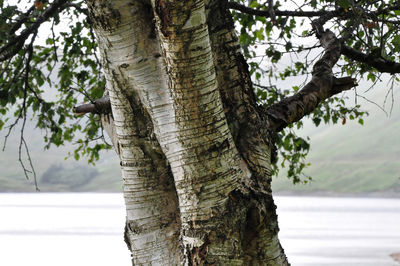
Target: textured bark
[152,225]
[195,162]
[206,165]
[250,136]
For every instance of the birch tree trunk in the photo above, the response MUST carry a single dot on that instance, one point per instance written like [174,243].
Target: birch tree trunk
[194,158]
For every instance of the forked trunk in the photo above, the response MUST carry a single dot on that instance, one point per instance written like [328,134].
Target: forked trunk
[195,164]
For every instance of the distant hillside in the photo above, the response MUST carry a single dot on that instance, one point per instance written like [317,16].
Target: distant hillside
[54,173]
[346,158]
[352,158]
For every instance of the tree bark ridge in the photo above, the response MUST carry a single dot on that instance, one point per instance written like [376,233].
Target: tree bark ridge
[152,225]
[247,127]
[204,160]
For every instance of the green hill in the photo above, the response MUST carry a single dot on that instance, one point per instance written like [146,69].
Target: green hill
[352,158]
[54,173]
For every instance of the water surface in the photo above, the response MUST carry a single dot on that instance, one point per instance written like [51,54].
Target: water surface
[45,229]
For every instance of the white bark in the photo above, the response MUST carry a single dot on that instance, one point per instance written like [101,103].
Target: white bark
[195,193]
[204,160]
[152,216]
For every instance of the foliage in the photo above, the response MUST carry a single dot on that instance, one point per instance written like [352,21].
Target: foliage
[46,76]
[281,49]
[49,75]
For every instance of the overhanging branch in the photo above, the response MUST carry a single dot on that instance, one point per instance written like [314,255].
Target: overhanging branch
[340,12]
[14,45]
[381,64]
[285,13]
[322,86]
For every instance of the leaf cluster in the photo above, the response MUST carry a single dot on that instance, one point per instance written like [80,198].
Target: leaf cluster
[49,67]
[280,44]
[51,73]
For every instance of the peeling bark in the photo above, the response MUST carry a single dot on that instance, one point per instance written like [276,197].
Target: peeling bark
[196,169]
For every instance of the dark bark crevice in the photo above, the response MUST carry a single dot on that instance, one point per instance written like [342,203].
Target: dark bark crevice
[240,104]
[250,214]
[103,15]
[260,224]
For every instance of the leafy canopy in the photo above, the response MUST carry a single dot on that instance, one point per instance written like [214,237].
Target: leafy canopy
[49,63]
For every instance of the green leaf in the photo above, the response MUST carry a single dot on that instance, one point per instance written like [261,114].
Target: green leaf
[396,42]
[344,3]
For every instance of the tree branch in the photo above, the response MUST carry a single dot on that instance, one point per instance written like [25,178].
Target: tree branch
[100,106]
[22,19]
[340,12]
[322,86]
[381,64]
[15,44]
[267,13]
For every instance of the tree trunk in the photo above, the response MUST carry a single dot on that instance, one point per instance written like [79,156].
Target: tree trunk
[195,157]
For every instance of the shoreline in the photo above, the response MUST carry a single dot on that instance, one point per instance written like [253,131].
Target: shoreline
[376,194]
[332,194]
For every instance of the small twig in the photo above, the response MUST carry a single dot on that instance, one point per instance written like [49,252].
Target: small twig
[5,67]
[375,82]
[390,91]
[10,128]
[271,12]
[83,92]
[54,41]
[374,103]
[102,135]
[24,111]
[31,164]
[22,20]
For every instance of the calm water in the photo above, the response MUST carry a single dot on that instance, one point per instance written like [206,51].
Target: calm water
[86,229]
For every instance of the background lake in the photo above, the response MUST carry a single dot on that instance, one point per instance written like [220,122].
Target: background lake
[43,229]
